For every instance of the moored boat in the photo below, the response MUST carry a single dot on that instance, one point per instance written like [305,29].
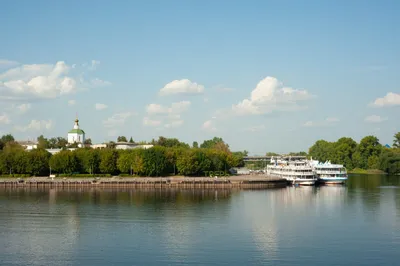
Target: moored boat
[328,173]
[295,172]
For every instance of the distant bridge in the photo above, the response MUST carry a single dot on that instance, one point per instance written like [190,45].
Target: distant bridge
[268,158]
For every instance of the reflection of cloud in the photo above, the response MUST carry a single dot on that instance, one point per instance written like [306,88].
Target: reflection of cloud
[260,215]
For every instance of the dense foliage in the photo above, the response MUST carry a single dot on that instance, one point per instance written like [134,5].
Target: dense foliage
[167,157]
[368,154]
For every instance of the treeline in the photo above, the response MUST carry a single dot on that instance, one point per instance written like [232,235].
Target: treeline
[167,157]
[368,154]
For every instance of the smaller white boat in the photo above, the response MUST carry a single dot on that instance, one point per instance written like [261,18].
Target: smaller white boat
[328,173]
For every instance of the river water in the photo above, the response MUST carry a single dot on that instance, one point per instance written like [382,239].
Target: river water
[356,224]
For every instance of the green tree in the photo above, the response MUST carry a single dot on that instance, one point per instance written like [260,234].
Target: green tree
[195,144]
[344,149]
[38,162]
[210,144]
[43,143]
[64,162]
[322,150]
[272,154]
[131,140]
[61,142]
[122,139]
[88,141]
[369,146]
[396,142]
[155,162]
[6,139]
[108,161]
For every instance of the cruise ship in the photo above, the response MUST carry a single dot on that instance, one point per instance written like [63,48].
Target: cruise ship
[295,172]
[328,173]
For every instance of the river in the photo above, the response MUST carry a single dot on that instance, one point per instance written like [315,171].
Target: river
[356,224]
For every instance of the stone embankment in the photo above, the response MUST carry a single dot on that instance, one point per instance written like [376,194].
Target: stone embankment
[242,181]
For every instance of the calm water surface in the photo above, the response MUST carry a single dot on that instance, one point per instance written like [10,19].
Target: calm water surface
[357,224]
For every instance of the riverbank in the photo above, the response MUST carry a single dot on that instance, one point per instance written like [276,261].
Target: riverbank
[367,172]
[245,181]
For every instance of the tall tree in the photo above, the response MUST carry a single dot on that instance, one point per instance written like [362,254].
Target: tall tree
[122,139]
[131,140]
[88,141]
[61,142]
[6,139]
[195,144]
[396,142]
[43,143]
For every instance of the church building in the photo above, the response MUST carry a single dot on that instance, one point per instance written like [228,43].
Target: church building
[76,135]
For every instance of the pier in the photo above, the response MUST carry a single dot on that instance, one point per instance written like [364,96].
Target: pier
[248,181]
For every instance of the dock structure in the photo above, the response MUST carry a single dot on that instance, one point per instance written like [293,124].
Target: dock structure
[268,158]
[157,182]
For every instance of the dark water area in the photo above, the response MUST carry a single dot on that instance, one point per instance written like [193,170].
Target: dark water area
[355,224]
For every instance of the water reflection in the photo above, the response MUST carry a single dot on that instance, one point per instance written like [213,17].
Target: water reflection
[293,225]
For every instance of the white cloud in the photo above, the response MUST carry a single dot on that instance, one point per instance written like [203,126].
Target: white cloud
[209,126]
[391,99]
[150,122]
[309,124]
[173,124]
[94,64]
[96,82]
[175,108]
[24,107]
[36,125]
[170,115]
[37,80]
[7,63]
[44,81]
[270,95]
[330,121]
[117,120]
[375,119]
[100,106]
[4,119]
[71,102]
[255,128]
[183,86]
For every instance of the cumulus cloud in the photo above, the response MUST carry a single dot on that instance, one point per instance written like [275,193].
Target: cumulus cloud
[8,63]
[117,120]
[100,106]
[96,82]
[4,119]
[391,99]
[71,102]
[270,95]
[375,119]
[36,125]
[151,122]
[43,81]
[183,86]
[209,126]
[24,107]
[169,115]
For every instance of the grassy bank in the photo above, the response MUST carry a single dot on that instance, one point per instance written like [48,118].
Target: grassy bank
[367,172]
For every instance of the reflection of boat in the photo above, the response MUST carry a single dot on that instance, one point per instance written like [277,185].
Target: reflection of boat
[328,173]
[295,172]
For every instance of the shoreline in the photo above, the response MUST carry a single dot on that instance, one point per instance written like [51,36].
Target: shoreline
[245,181]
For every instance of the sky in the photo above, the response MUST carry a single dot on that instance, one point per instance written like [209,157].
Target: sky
[266,76]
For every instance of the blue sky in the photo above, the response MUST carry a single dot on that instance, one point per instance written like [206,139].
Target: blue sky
[263,75]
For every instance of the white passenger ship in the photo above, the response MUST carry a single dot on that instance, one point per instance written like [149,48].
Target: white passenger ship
[328,173]
[295,172]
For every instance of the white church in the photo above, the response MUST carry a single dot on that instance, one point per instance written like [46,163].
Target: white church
[76,135]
